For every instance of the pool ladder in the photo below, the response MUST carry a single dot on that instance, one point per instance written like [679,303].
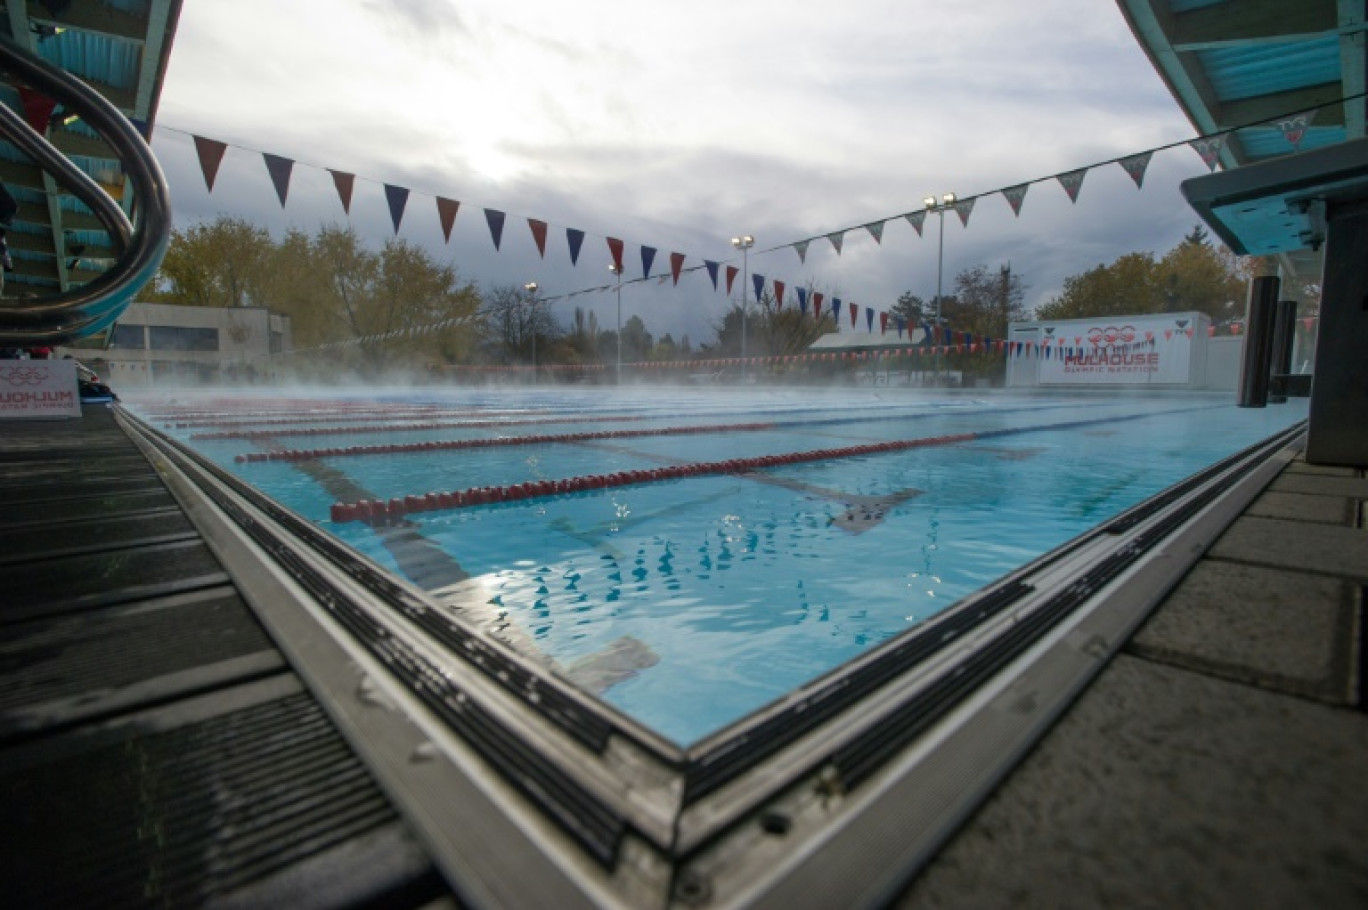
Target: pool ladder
[73,314]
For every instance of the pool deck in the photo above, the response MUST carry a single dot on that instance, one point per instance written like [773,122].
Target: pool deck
[149,726]
[1219,759]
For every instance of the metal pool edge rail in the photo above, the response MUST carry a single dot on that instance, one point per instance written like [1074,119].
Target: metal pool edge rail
[528,792]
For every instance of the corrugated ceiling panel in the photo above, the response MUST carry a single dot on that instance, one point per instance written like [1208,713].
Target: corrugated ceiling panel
[1248,71]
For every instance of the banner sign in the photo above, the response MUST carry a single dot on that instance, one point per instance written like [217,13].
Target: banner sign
[38,388]
[1128,350]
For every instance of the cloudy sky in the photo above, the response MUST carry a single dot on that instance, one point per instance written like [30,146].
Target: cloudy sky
[678,125]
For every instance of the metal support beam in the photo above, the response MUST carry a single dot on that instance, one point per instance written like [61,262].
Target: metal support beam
[1338,429]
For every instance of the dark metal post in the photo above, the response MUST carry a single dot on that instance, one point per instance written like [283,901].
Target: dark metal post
[1258,343]
[1284,334]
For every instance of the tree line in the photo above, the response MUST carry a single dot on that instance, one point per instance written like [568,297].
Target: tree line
[374,302]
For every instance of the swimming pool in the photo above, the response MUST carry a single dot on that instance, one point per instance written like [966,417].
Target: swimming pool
[688,602]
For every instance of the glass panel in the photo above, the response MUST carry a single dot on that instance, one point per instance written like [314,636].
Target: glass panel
[178,338]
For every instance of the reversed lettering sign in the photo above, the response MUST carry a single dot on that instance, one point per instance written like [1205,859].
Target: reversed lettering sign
[38,388]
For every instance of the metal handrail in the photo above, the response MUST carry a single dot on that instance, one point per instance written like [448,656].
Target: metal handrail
[70,315]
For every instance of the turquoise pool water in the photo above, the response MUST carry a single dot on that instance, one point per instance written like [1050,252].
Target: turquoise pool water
[737,587]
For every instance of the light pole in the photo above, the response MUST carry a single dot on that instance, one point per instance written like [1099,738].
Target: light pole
[613,267]
[939,206]
[744,243]
[531,288]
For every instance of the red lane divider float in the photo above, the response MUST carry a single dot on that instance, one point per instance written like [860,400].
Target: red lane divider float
[407,427]
[377,512]
[357,417]
[490,442]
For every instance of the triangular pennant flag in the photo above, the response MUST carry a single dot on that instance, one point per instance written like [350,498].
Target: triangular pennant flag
[712,271]
[495,219]
[963,208]
[836,311]
[875,229]
[902,325]
[1210,149]
[397,197]
[615,248]
[836,237]
[916,219]
[446,214]
[1015,196]
[647,257]
[345,183]
[869,319]
[575,238]
[538,229]
[802,300]
[816,304]
[883,324]
[731,276]
[38,109]
[210,153]
[279,168]
[676,265]
[1294,128]
[1072,182]
[1136,165]
[778,295]
[758,281]
[854,311]
[801,246]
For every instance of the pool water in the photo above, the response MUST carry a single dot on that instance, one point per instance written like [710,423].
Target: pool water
[688,603]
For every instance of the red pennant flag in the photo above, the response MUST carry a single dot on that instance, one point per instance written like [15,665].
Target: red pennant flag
[1015,196]
[446,214]
[615,248]
[883,323]
[676,265]
[210,153]
[778,295]
[854,311]
[538,235]
[731,276]
[817,306]
[397,198]
[38,109]
[279,168]
[344,183]
[1072,182]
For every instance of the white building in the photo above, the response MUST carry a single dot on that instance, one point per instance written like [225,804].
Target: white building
[167,344]
[1156,350]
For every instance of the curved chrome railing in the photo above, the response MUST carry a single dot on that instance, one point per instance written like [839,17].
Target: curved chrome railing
[80,312]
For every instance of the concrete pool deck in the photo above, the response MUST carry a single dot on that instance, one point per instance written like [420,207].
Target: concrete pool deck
[1216,761]
[1219,759]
